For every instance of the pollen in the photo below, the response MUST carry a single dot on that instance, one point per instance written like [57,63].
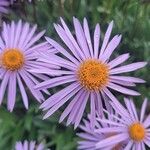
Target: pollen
[93,74]
[12,59]
[137,132]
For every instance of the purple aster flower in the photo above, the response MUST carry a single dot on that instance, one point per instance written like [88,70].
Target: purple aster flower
[28,146]
[127,127]
[4,5]
[18,54]
[87,71]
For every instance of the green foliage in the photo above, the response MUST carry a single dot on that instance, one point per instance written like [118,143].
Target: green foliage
[131,18]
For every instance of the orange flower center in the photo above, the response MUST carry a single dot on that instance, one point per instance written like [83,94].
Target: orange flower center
[93,74]
[12,59]
[137,132]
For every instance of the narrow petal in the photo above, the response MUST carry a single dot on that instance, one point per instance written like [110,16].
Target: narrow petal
[34,39]
[121,110]
[70,106]
[81,111]
[122,89]
[146,122]
[129,145]
[81,37]
[111,130]
[93,110]
[87,35]
[143,109]
[112,140]
[110,48]
[12,33]
[55,82]
[60,103]
[96,41]
[72,38]
[128,68]
[75,110]
[3,86]
[58,96]
[11,93]
[23,92]
[22,38]
[128,79]
[106,38]
[117,61]
[30,35]
[62,50]
[30,85]
[66,40]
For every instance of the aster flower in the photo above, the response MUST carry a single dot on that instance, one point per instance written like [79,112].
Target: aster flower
[18,54]
[129,128]
[26,145]
[87,71]
[4,5]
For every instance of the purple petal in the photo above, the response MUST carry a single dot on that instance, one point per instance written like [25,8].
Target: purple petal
[62,50]
[87,35]
[117,61]
[81,37]
[96,40]
[128,68]
[72,38]
[11,93]
[55,82]
[111,47]
[122,89]
[106,37]
[23,92]
[112,140]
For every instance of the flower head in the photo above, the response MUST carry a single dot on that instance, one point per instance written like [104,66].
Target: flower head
[26,145]
[128,127]
[4,5]
[18,54]
[87,71]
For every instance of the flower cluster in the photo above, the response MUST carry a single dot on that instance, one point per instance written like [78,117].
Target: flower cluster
[88,75]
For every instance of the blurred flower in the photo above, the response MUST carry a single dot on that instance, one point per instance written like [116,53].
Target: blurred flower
[87,70]
[18,54]
[90,137]
[4,6]
[127,127]
[26,145]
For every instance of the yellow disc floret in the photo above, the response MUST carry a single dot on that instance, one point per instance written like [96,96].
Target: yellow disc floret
[12,59]
[137,132]
[93,74]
